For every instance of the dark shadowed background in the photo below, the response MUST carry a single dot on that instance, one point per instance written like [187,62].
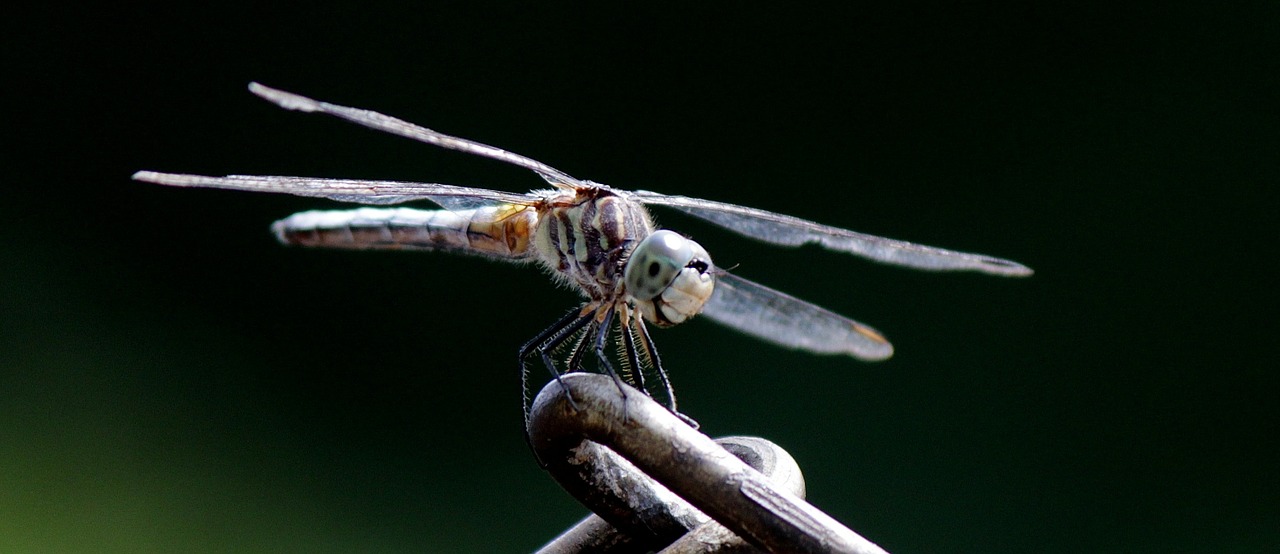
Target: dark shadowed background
[172,380]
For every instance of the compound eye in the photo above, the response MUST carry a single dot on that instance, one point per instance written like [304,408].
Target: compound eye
[655,262]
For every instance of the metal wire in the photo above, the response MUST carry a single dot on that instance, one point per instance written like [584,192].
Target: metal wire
[651,478]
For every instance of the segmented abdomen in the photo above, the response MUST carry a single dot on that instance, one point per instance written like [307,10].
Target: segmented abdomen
[497,232]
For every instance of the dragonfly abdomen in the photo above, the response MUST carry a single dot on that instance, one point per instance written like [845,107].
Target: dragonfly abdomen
[496,232]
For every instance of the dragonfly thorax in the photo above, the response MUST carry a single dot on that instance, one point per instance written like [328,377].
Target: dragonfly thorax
[584,235]
[668,278]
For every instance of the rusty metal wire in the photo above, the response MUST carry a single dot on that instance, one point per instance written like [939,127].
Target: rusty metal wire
[656,483]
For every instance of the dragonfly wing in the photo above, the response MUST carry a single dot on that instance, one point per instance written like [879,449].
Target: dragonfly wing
[388,124]
[786,230]
[785,320]
[344,190]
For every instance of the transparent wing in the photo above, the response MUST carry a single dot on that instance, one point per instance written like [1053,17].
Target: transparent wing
[792,231]
[386,123]
[345,190]
[785,320]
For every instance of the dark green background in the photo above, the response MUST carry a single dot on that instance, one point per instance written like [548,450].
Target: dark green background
[171,380]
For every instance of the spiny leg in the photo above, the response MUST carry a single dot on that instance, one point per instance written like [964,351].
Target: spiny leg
[631,356]
[556,333]
[547,341]
[647,343]
[550,345]
[574,363]
[602,340]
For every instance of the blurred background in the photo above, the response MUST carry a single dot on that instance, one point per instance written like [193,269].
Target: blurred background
[172,380]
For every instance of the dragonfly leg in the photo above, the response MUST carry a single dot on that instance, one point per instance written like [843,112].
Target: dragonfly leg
[647,343]
[652,351]
[602,340]
[574,363]
[632,355]
[545,343]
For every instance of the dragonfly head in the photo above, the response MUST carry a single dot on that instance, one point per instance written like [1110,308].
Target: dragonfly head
[669,277]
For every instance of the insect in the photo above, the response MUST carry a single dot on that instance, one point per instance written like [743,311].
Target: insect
[597,239]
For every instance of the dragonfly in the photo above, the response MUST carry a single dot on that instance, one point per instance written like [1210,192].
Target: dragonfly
[597,239]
